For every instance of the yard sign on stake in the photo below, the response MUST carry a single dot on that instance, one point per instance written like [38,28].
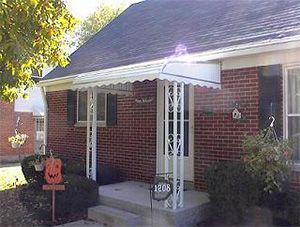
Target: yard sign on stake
[53,178]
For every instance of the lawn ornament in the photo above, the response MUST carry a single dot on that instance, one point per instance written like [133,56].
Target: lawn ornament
[53,178]
[53,170]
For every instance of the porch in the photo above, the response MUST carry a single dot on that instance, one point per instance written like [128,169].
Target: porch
[134,197]
[174,152]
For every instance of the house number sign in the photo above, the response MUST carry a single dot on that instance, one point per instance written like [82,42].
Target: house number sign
[161,189]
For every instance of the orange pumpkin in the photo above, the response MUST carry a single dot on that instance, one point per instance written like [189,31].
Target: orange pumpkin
[53,171]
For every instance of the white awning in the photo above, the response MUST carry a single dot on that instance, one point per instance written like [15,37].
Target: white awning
[119,80]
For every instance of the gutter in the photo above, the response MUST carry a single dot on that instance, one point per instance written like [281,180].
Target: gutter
[218,54]
[43,92]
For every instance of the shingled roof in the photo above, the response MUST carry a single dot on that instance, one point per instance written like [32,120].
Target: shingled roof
[152,29]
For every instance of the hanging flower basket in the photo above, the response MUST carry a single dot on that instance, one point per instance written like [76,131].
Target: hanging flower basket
[15,145]
[39,167]
[17,140]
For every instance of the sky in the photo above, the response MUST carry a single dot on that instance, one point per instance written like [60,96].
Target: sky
[83,8]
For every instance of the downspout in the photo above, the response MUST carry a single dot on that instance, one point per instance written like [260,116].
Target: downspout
[43,92]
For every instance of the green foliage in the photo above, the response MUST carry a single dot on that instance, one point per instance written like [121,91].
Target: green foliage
[94,23]
[270,159]
[71,204]
[231,190]
[33,34]
[80,194]
[28,169]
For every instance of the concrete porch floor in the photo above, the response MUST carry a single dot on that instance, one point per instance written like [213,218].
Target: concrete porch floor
[134,197]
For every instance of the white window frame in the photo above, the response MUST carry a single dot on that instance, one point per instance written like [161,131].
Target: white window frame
[285,70]
[83,123]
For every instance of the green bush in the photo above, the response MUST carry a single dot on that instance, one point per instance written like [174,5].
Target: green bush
[231,190]
[28,169]
[71,204]
[74,167]
[80,194]
[269,158]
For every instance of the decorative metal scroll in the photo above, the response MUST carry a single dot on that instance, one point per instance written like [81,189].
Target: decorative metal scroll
[271,134]
[174,147]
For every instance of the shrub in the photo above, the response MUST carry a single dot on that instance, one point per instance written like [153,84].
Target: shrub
[231,190]
[71,204]
[269,158]
[80,194]
[74,167]
[29,172]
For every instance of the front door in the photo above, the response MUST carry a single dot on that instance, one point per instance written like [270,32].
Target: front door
[188,131]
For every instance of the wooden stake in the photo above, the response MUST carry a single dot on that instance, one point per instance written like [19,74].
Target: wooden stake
[53,205]
[53,188]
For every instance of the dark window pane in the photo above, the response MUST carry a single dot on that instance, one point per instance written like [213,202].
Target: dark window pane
[101,107]
[82,107]
[186,138]
[186,102]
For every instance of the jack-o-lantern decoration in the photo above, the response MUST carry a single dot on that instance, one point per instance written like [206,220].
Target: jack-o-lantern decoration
[53,171]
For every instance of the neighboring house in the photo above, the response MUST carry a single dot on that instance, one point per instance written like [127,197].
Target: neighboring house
[30,113]
[252,50]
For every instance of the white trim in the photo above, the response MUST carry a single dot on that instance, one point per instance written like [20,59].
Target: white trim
[191,128]
[159,120]
[88,135]
[181,160]
[94,134]
[43,92]
[55,81]
[262,59]
[285,68]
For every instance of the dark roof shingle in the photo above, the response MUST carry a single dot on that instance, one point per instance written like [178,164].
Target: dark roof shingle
[152,29]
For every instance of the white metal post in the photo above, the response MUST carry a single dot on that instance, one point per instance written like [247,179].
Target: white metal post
[181,109]
[94,136]
[175,145]
[174,142]
[166,149]
[88,133]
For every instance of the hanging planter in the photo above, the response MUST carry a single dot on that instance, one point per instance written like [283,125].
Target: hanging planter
[17,140]
[39,166]
[15,145]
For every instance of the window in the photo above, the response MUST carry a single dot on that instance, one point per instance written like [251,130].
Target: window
[186,121]
[293,109]
[82,107]
[39,129]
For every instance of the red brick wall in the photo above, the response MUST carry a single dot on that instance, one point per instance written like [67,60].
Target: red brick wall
[8,120]
[130,145]
[217,136]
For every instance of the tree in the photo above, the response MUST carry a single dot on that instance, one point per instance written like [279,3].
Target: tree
[33,34]
[95,22]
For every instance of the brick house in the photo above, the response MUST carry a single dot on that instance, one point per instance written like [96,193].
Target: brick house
[228,55]
[30,113]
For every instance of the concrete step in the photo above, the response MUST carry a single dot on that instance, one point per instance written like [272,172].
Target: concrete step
[113,217]
[82,223]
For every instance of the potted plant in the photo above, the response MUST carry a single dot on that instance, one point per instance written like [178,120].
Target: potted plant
[39,164]
[17,140]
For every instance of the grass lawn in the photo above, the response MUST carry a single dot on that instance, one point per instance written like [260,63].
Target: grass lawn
[11,176]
